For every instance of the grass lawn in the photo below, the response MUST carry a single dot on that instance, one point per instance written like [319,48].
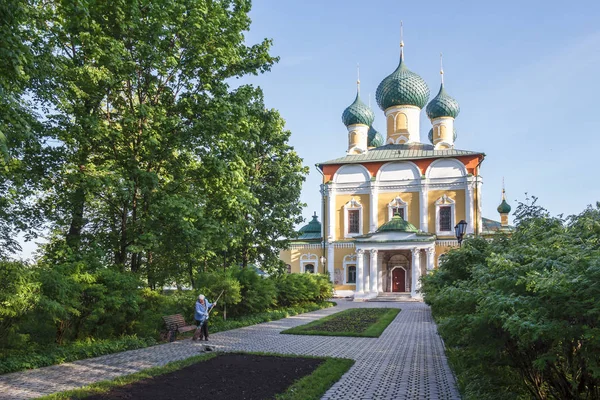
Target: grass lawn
[311,386]
[362,322]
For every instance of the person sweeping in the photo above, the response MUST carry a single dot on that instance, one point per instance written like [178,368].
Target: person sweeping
[203,307]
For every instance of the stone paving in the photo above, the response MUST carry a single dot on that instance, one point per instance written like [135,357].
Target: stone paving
[406,362]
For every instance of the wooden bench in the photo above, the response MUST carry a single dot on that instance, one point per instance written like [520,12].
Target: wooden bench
[176,324]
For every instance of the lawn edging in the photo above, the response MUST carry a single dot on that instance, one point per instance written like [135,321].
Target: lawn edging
[374,330]
[310,387]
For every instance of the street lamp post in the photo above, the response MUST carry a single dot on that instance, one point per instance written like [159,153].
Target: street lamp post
[323,260]
[459,231]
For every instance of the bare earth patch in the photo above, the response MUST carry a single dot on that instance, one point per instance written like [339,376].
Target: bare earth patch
[228,376]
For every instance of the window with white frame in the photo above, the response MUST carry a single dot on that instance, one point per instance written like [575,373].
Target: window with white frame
[397,206]
[349,264]
[351,278]
[353,225]
[444,216]
[308,262]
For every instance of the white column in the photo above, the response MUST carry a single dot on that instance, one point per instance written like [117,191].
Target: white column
[430,259]
[331,211]
[423,209]
[330,261]
[416,272]
[374,212]
[469,207]
[374,272]
[359,271]
[366,269]
[380,274]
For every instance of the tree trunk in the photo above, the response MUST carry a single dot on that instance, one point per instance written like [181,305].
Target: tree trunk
[73,237]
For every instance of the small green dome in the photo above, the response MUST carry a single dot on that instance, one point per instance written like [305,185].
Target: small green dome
[504,207]
[313,226]
[402,88]
[397,224]
[358,113]
[443,105]
[430,135]
[374,139]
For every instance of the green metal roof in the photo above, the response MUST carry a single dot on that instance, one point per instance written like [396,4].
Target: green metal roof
[310,231]
[398,152]
[374,139]
[490,226]
[443,105]
[397,224]
[402,87]
[358,113]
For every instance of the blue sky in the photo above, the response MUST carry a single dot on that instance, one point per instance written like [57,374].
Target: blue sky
[526,75]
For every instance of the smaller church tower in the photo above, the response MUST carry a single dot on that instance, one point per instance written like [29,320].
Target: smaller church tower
[358,118]
[442,111]
[504,209]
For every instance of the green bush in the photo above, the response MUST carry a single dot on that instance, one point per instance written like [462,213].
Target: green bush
[521,312]
[19,294]
[295,289]
[258,294]
[50,355]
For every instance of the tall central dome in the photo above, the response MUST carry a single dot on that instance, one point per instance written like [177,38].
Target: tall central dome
[402,88]
[402,95]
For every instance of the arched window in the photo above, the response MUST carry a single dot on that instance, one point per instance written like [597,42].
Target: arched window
[444,211]
[397,206]
[309,269]
[401,122]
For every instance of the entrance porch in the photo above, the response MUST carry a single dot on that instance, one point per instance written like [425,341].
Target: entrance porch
[395,269]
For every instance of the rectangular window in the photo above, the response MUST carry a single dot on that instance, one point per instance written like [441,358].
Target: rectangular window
[398,210]
[353,221]
[445,219]
[351,274]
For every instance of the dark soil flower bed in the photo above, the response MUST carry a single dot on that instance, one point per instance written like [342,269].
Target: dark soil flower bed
[223,376]
[367,322]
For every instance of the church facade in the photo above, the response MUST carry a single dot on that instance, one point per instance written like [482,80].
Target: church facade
[390,205]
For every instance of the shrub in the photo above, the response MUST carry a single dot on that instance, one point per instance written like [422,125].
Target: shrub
[19,294]
[293,289]
[258,294]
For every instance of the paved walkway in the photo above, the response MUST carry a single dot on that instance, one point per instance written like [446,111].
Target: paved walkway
[406,362]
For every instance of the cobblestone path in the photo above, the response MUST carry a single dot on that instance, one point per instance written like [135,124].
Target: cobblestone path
[406,362]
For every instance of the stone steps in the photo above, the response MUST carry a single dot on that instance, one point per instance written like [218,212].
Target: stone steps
[393,297]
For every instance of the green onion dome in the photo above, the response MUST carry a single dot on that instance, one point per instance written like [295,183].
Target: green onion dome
[402,88]
[504,207]
[443,105]
[430,135]
[374,139]
[358,113]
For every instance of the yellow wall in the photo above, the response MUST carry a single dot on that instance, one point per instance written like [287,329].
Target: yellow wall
[412,200]
[340,201]
[459,206]
[338,263]
[292,257]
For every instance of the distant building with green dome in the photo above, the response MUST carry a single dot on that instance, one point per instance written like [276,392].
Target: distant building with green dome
[391,202]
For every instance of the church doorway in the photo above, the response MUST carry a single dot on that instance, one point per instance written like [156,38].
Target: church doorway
[398,279]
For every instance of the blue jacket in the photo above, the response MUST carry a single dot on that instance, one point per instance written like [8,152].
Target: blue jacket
[201,313]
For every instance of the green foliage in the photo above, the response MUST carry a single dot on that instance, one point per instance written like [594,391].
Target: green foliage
[50,355]
[519,312]
[298,288]
[19,294]
[257,293]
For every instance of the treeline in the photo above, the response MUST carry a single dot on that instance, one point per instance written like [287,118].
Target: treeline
[122,141]
[519,314]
